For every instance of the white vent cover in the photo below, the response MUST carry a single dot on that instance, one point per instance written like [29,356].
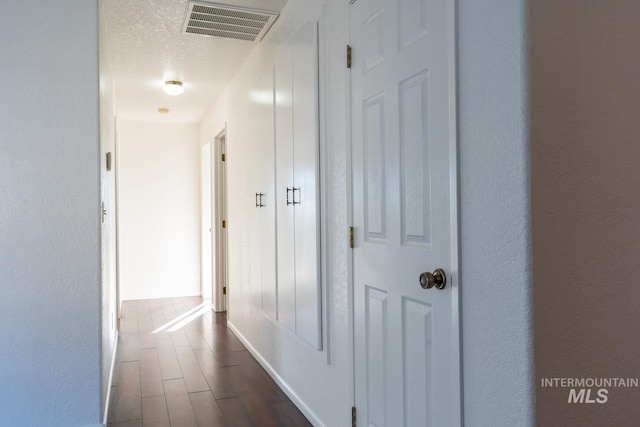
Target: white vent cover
[221,20]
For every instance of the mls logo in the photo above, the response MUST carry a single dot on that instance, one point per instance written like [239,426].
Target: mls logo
[583,395]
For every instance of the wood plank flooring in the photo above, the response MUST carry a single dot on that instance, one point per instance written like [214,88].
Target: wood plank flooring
[197,375]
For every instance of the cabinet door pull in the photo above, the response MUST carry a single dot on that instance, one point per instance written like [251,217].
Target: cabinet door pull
[289,191]
[296,202]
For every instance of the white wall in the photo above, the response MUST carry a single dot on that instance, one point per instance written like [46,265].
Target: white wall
[585,68]
[159,210]
[108,197]
[49,214]
[495,218]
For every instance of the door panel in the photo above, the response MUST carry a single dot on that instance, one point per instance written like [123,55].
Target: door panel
[284,182]
[377,364]
[267,187]
[414,149]
[263,231]
[306,161]
[417,361]
[404,191]
[374,167]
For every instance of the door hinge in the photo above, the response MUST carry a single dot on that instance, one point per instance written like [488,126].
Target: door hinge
[224,290]
[224,157]
[353,416]
[224,223]
[348,56]
[352,243]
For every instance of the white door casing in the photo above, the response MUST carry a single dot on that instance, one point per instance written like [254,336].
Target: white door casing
[221,257]
[406,339]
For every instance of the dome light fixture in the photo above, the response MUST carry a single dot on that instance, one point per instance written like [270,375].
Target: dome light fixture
[173,87]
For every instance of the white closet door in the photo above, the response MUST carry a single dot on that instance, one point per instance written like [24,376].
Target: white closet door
[284,184]
[260,135]
[265,137]
[248,134]
[306,159]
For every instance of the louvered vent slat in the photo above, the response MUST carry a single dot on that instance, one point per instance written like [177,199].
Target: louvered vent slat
[226,27]
[197,17]
[218,20]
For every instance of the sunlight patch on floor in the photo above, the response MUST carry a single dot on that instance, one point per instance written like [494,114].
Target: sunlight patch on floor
[185,318]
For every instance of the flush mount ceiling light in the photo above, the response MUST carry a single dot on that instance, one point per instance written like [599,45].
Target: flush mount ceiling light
[173,87]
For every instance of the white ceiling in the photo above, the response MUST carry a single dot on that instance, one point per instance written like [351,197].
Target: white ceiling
[147,47]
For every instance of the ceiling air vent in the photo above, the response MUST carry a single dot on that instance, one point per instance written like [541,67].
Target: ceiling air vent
[221,20]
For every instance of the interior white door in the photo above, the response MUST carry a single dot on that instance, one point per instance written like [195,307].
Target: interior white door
[406,338]
[205,225]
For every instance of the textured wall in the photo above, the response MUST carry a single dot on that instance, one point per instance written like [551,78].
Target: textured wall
[494,193]
[585,98]
[159,210]
[49,214]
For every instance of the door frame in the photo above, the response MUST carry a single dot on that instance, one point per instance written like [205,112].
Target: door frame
[454,191]
[220,208]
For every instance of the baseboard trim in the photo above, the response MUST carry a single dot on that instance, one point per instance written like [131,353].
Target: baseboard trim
[311,416]
[105,418]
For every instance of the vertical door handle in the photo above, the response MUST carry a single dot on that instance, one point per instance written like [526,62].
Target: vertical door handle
[257,203]
[260,205]
[294,189]
[288,191]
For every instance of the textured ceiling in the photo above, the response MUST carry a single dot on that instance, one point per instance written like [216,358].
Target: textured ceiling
[147,47]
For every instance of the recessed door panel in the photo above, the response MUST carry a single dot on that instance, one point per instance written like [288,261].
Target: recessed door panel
[414,151]
[376,333]
[412,21]
[374,167]
[417,350]
[374,41]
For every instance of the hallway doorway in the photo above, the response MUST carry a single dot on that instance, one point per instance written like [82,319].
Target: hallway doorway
[221,251]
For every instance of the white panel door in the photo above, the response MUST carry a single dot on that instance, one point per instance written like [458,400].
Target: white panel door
[284,184]
[265,138]
[305,194]
[263,225]
[206,240]
[406,338]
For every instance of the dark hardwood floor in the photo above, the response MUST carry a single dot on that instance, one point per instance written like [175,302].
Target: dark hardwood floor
[199,374]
